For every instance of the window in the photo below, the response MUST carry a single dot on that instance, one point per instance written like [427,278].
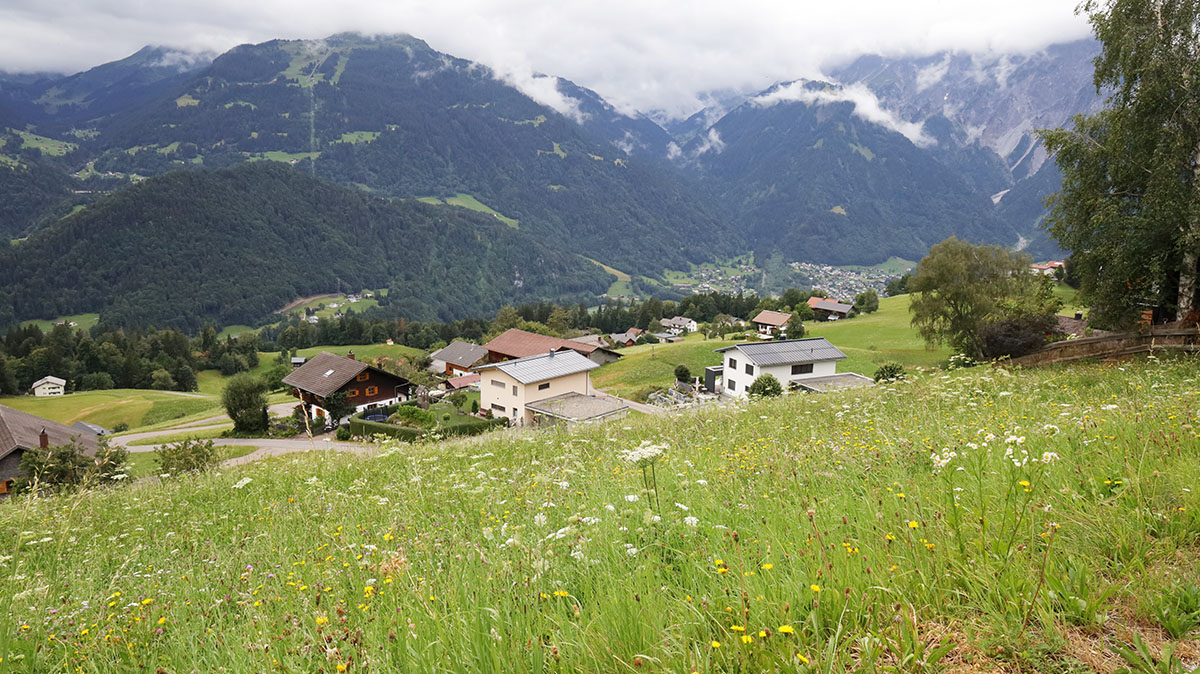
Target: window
[352,393]
[732,364]
[372,390]
[731,385]
[497,383]
[364,376]
[498,408]
[543,387]
[749,368]
[803,368]
[514,389]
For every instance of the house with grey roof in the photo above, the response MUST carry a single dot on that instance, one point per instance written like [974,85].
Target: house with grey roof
[827,309]
[22,432]
[799,364]
[456,358]
[679,325]
[48,386]
[530,390]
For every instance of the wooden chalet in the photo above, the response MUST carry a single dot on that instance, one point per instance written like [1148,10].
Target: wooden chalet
[21,432]
[514,343]
[366,386]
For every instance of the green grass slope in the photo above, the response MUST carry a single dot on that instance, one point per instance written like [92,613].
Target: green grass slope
[982,520]
[135,407]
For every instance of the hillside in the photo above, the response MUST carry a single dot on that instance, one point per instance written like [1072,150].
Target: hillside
[808,177]
[980,520]
[392,116]
[233,245]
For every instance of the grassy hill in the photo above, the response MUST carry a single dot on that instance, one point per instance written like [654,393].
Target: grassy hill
[981,520]
[135,407]
[868,341]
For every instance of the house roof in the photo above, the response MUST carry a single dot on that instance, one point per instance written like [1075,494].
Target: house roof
[834,382]
[324,373]
[463,381]
[622,337]
[678,322]
[460,353]
[21,430]
[823,304]
[543,366]
[514,343]
[593,340]
[49,380]
[578,407]
[788,351]
[773,318]
[90,428]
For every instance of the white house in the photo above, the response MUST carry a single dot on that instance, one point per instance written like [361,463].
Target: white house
[807,364]
[679,325]
[48,386]
[771,324]
[512,388]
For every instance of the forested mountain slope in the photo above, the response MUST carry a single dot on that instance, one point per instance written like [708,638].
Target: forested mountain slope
[230,246]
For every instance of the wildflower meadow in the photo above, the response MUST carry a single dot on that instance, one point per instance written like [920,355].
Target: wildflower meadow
[984,519]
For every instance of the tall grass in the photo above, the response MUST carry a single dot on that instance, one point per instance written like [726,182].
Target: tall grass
[982,518]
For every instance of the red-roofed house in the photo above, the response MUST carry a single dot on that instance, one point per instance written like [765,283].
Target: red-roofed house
[514,343]
[771,324]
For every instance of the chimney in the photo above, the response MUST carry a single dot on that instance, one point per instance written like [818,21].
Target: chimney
[350,355]
[43,439]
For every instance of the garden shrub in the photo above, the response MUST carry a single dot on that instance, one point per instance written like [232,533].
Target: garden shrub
[889,371]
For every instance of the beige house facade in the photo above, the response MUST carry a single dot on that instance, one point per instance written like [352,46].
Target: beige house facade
[507,388]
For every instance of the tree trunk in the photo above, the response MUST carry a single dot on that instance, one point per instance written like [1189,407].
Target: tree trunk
[1191,242]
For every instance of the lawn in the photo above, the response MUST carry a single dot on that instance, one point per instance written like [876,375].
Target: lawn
[144,464]
[50,146]
[983,520]
[135,407]
[649,367]
[183,434]
[470,202]
[84,321]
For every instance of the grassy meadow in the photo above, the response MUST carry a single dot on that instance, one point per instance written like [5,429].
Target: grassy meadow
[868,341]
[978,520]
[135,407]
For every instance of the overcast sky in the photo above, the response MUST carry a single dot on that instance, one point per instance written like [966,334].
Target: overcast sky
[640,54]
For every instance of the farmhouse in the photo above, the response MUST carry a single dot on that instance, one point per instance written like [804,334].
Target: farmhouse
[806,364]
[680,325]
[828,310]
[1046,269]
[771,323]
[549,386]
[514,343]
[21,432]
[48,386]
[457,358]
[364,386]
[627,338]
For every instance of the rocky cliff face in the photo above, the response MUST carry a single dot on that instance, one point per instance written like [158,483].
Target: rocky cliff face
[995,100]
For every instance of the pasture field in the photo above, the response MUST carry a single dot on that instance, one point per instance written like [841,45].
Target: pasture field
[471,203]
[868,341]
[974,521]
[84,321]
[135,407]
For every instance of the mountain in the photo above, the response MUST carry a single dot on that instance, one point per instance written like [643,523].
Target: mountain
[231,245]
[997,100]
[58,104]
[393,116]
[811,178]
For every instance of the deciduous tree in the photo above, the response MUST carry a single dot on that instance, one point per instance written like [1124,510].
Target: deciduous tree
[1129,208]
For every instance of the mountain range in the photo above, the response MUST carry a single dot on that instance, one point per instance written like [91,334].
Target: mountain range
[885,158]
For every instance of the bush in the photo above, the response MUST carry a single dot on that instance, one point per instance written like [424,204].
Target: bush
[889,371]
[766,386]
[120,427]
[187,456]
[66,467]
[1016,336]
[96,381]
[343,433]
[682,373]
[245,401]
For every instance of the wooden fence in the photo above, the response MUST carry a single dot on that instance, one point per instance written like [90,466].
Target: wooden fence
[1115,346]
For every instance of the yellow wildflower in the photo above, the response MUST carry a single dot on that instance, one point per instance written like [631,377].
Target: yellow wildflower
[785,629]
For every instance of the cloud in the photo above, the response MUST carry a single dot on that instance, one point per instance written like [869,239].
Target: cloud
[711,141]
[544,90]
[866,106]
[661,57]
[933,73]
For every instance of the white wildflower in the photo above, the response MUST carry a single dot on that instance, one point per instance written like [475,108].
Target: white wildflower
[243,482]
[681,507]
[691,521]
[632,498]
[540,519]
[644,453]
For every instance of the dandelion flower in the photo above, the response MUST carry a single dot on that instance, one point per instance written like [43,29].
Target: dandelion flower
[768,567]
[715,644]
[912,524]
[747,639]
[815,588]
[785,629]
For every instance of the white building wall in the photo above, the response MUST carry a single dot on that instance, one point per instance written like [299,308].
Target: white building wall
[48,389]
[498,389]
[742,381]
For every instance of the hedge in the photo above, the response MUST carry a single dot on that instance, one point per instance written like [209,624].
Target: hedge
[362,427]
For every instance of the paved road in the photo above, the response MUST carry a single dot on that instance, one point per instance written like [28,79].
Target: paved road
[206,424]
